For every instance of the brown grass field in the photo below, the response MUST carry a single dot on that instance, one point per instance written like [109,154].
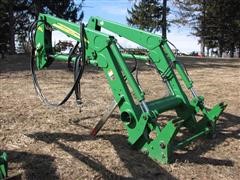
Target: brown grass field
[54,143]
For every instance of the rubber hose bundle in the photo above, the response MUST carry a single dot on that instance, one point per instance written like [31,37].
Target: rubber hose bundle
[78,68]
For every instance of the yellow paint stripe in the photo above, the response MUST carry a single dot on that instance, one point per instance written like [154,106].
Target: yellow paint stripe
[68,30]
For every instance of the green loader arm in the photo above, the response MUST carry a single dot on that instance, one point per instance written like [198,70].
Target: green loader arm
[138,115]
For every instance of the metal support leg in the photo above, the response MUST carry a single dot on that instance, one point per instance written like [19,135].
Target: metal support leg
[104,118]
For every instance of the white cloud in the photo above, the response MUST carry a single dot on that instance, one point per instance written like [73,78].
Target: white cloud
[181,40]
[115,10]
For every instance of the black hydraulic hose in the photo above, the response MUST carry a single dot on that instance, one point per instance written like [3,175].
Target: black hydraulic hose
[71,56]
[79,65]
[77,74]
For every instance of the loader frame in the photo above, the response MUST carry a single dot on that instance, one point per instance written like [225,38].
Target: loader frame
[138,115]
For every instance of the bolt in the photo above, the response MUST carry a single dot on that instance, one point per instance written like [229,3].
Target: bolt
[163,156]
[145,117]
[162,145]
[145,151]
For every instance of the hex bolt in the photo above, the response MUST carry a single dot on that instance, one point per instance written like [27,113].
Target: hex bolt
[162,145]
[145,117]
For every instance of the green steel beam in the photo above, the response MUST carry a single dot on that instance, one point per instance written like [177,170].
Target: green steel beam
[140,37]
[134,56]
[164,104]
[187,81]
[62,57]
[138,92]
[192,138]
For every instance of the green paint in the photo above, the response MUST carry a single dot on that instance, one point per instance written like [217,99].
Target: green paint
[3,166]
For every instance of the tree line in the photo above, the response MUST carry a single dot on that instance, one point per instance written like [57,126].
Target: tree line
[215,22]
[17,15]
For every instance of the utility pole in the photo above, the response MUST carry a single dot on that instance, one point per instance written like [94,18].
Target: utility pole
[11,28]
[204,31]
[164,20]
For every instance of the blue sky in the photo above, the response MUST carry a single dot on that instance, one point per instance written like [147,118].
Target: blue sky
[116,10]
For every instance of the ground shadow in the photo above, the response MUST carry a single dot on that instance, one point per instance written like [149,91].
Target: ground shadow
[222,133]
[139,165]
[36,166]
[198,63]
[206,144]
[22,63]
[17,63]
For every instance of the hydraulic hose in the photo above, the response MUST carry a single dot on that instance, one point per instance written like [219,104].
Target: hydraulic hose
[78,69]
[71,56]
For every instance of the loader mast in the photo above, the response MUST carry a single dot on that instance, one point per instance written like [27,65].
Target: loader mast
[138,115]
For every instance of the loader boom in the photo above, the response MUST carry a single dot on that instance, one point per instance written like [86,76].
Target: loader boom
[138,115]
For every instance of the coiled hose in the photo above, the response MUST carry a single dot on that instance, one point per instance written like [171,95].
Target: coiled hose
[78,68]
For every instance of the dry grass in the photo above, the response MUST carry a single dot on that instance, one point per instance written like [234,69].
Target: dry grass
[54,143]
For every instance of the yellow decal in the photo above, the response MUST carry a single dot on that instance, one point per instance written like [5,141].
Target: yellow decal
[40,29]
[67,30]
[111,75]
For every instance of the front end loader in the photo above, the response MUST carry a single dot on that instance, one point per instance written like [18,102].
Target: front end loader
[139,116]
